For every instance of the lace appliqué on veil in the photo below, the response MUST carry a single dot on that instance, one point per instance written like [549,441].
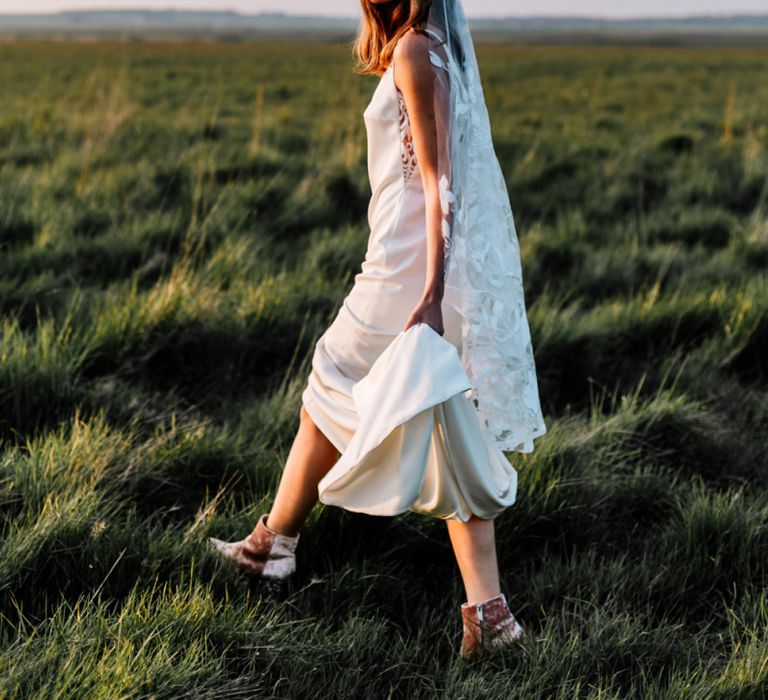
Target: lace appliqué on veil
[406,140]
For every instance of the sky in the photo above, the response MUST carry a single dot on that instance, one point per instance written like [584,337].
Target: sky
[477,8]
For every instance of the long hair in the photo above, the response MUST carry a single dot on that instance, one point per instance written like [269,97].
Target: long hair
[382,26]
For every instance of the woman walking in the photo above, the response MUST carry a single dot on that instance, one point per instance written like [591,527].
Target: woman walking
[426,376]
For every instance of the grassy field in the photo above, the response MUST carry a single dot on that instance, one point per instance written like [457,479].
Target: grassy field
[178,224]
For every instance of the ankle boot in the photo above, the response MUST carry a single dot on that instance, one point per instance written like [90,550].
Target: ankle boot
[488,625]
[264,553]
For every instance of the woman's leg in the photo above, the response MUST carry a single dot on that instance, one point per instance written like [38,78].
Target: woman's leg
[311,457]
[474,545]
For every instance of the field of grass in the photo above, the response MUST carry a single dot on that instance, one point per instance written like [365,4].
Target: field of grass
[178,224]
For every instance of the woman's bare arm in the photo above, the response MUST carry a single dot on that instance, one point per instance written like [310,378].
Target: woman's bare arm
[415,79]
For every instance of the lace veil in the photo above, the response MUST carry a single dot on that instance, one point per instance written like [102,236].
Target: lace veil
[482,255]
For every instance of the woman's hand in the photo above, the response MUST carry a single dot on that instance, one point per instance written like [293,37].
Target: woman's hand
[427,311]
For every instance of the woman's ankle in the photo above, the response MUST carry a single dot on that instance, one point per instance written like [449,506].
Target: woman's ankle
[480,595]
[280,529]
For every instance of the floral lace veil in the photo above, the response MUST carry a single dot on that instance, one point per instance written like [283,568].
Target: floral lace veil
[482,265]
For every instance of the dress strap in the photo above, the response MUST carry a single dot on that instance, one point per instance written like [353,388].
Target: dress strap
[434,35]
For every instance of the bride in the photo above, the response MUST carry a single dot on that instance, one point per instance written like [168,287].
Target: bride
[426,376]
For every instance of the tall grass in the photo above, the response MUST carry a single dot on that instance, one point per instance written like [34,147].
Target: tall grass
[179,223]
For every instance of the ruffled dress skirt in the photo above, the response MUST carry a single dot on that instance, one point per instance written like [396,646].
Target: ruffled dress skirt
[418,443]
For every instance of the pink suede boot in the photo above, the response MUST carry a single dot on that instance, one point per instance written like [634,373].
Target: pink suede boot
[487,626]
[264,553]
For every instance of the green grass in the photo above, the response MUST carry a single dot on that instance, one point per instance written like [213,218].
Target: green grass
[180,221]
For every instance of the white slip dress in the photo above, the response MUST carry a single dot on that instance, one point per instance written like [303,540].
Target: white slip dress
[397,405]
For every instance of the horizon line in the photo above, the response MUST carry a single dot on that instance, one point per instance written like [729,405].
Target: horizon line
[275,13]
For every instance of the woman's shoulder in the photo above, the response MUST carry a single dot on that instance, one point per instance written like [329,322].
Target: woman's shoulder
[412,47]
[411,58]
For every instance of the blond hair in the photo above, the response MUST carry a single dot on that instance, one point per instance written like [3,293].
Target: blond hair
[381,28]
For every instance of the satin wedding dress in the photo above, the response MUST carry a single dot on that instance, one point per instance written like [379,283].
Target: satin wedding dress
[397,404]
